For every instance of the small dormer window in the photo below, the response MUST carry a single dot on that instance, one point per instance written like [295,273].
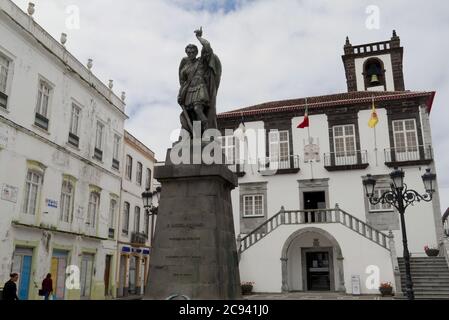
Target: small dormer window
[374,73]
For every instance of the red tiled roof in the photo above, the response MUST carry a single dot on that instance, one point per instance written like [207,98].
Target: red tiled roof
[328,100]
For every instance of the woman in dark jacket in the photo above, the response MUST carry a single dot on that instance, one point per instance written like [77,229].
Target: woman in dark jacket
[47,286]
[10,288]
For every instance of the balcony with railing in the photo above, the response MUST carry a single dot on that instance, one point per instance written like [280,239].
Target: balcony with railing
[3,100]
[41,121]
[115,164]
[98,154]
[348,160]
[111,233]
[138,238]
[74,140]
[281,165]
[371,47]
[408,156]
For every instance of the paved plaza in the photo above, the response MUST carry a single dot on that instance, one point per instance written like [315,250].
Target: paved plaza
[313,296]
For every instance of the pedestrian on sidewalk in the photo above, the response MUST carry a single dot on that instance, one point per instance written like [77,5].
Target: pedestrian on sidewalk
[10,288]
[47,286]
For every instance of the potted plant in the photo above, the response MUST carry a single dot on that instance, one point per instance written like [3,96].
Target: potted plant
[386,289]
[247,287]
[432,251]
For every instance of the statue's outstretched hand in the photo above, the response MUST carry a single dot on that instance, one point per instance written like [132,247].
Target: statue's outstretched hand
[199,32]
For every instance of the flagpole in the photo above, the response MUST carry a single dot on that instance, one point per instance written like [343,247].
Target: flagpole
[309,140]
[375,141]
[375,146]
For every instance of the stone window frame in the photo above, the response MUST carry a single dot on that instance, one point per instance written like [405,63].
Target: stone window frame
[36,168]
[75,106]
[112,214]
[404,132]
[51,89]
[379,191]
[126,205]
[249,223]
[92,221]
[344,116]
[116,147]
[9,78]
[344,137]
[148,178]
[139,173]
[315,185]
[278,133]
[395,112]
[129,167]
[136,222]
[283,123]
[253,196]
[72,181]
[227,148]
[382,182]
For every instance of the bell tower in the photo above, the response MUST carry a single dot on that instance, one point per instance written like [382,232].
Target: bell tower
[374,66]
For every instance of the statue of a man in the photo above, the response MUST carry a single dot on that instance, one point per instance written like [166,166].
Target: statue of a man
[199,79]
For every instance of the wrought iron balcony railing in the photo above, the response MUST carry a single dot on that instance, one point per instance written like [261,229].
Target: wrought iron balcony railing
[411,155]
[41,121]
[115,164]
[138,238]
[3,100]
[347,160]
[98,154]
[111,233]
[289,164]
[74,140]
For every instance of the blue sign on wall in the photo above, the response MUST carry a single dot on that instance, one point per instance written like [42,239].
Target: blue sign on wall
[52,203]
[126,249]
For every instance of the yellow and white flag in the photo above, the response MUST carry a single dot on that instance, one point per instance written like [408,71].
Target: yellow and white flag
[374,120]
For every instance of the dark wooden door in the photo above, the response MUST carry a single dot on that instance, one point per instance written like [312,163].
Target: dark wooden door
[107,274]
[318,271]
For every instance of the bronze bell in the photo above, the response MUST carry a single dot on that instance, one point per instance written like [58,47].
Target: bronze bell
[374,79]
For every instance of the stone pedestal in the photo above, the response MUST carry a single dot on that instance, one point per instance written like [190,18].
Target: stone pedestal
[194,253]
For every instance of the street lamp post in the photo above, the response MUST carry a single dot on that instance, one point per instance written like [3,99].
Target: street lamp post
[401,197]
[150,208]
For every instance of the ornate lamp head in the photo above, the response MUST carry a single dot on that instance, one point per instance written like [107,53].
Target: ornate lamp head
[369,183]
[147,198]
[429,179]
[398,178]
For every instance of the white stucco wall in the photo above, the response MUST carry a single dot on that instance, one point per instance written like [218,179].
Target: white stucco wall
[22,141]
[358,253]
[346,189]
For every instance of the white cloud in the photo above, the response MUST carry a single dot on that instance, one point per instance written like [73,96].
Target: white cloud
[269,50]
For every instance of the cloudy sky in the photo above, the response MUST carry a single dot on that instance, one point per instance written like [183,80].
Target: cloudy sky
[270,50]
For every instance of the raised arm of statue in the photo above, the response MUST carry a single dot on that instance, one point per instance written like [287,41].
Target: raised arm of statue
[206,45]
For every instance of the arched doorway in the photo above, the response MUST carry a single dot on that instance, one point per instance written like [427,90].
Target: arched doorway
[312,260]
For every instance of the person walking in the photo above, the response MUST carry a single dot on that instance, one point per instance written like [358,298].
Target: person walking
[10,288]
[47,286]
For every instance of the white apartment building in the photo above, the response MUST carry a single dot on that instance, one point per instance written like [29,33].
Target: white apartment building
[134,241]
[301,214]
[61,144]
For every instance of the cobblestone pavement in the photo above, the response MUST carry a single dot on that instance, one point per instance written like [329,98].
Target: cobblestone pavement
[313,296]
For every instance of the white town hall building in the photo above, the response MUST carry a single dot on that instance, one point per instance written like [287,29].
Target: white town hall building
[301,215]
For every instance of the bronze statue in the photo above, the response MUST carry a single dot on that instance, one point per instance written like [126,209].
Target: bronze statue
[199,79]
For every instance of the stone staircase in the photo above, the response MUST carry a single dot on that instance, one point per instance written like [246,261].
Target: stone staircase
[430,276]
[316,216]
